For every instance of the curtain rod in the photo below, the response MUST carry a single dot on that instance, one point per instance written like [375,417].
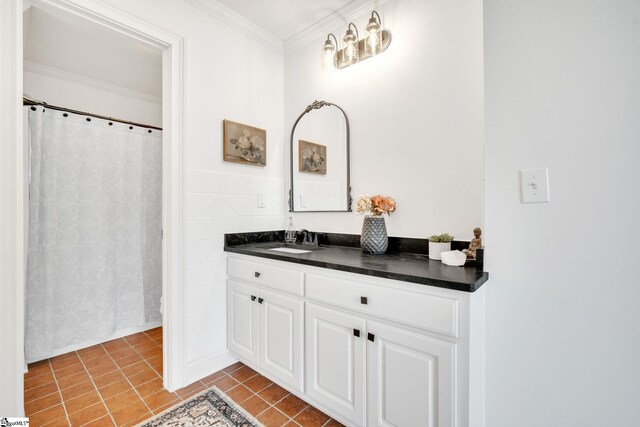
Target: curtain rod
[27,101]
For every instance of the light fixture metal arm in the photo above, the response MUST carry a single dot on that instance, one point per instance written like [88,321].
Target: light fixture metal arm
[355,28]
[378,15]
[334,38]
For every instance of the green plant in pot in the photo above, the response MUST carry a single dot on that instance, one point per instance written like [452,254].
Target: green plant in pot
[438,244]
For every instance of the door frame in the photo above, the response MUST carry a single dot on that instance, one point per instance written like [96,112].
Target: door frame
[12,179]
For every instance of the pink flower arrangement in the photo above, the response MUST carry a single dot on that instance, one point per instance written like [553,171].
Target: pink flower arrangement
[375,205]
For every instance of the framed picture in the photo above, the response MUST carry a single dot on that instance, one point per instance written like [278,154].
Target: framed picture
[312,158]
[244,144]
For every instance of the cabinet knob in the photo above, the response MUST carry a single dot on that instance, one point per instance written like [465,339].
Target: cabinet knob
[253,297]
[260,300]
[356,332]
[363,300]
[257,274]
[371,337]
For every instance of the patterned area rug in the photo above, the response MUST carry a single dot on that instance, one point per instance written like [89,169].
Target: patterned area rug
[209,408]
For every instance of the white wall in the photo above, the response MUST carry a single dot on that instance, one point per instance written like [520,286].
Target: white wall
[84,93]
[563,334]
[416,115]
[228,75]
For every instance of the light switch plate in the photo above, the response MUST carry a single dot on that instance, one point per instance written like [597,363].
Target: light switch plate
[261,200]
[534,185]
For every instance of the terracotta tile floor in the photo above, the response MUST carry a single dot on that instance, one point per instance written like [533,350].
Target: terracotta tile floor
[119,383]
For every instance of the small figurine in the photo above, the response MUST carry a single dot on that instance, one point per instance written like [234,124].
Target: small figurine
[476,243]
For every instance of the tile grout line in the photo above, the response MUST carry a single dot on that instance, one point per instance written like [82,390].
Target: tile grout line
[127,378]
[64,407]
[46,395]
[97,390]
[179,397]
[144,359]
[271,405]
[278,410]
[91,378]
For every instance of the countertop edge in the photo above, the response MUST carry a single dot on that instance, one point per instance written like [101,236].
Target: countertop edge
[456,286]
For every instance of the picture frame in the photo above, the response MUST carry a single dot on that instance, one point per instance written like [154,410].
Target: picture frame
[312,157]
[244,144]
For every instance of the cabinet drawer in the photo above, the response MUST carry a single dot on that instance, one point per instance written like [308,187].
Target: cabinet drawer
[435,313]
[266,275]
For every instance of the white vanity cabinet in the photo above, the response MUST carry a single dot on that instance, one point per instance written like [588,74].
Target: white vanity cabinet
[264,323]
[410,378]
[335,361]
[377,352]
[243,320]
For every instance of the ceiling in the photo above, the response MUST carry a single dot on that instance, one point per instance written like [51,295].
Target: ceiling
[72,45]
[285,18]
[57,40]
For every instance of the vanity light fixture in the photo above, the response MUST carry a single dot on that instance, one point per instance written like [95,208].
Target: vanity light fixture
[351,46]
[373,44]
[329,51]
[354,50]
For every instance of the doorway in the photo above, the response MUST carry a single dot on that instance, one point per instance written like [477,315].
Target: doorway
[171,48]
[93,145]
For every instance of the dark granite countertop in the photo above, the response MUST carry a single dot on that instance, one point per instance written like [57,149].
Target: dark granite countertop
[404,266]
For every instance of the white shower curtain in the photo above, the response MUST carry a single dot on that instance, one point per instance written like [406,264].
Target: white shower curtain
[95,249]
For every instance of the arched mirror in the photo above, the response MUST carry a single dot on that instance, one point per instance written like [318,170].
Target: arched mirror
[319,160]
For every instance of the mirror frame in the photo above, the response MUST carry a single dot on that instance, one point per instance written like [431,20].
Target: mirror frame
[316,105]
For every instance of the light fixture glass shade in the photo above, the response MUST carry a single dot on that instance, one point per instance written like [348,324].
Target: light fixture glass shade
[328,54]
[350,51]
[373,37]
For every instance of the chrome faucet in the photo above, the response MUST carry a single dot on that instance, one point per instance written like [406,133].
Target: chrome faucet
[309,238]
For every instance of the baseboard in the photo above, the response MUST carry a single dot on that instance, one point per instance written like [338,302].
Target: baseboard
[207,366]
[118,334]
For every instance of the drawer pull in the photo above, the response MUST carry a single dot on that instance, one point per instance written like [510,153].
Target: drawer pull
[371,337]
[253,297]
[356,332]
[363,300]
[260,300]
[257,274]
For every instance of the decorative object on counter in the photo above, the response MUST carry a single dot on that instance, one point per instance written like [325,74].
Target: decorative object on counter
[475,244]
[244,144]
[312,158]
[353,50]
[454,258]
[290,234]
[374,239]
[438,244]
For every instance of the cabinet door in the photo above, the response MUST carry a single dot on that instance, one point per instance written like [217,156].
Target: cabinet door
[281,337]
[410,379]
[335,363]
[242,316]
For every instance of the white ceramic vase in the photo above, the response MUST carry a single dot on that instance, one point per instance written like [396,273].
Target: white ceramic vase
[436,248]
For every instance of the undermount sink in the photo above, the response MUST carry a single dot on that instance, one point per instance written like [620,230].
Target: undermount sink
[291,250]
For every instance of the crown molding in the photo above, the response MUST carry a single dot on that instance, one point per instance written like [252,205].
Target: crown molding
[340,17]
[238,22]
[45,70]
